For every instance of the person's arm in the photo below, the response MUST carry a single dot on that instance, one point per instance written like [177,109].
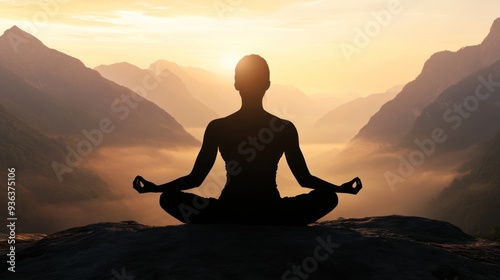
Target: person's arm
[298,166]
[202,167]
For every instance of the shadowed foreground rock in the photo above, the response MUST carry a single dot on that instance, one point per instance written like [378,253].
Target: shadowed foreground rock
[393,247]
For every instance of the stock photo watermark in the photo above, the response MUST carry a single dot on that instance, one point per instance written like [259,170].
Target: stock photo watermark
[11,218]
[363,37]
[47,9]
[257,143]
[454,116]
[250,147]
[93,138]
[222,7]
[121,276]
[310,264]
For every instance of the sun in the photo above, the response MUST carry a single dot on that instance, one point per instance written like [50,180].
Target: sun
[228,61]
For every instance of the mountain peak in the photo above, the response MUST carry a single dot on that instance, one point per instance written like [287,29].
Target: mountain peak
[490,45]
[165,62]
[495,27]
[14,38]
[125,66]
[14,30]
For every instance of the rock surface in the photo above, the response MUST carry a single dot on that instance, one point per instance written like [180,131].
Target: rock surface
[391,247]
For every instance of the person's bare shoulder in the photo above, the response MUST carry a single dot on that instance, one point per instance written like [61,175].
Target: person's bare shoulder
[221,122]
[281,120]
[214,125]
[278,124]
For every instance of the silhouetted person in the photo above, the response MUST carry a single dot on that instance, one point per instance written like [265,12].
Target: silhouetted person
[251,142]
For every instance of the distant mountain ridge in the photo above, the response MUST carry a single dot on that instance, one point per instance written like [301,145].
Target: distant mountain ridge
[219,94]
[442,70]
[65,87]
[54,113]
[411,148]
[170,93]
[466,112]
[214,91]
[343,122]
[31,154]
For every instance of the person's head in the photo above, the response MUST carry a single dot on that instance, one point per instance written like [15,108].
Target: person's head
[252,76]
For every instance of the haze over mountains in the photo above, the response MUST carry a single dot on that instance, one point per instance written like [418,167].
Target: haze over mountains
[468,115]
[219,94]
[447,78]
[471,201]
[52,101]
[416,143]
[167,90]
[466,112]
[65,87]
[410,149]
[343,122]
[56,114]
[192,94]
[215,91]
[442,70]
[38,188]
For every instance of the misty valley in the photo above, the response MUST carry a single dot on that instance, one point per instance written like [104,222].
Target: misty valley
[78,136]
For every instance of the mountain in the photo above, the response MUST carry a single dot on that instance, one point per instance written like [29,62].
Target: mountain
[413,148]
[466,113]
[447,134]
[170,93]
[441,71]
[343,122]
[58,95]
[471,201]
[218,93]
[327,101]
[290,102]
[392,247]
[33,106]
[214,91]
[37,186]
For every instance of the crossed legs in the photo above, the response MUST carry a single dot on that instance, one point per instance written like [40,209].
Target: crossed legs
[298,210]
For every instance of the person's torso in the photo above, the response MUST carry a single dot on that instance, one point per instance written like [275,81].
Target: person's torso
[251,149]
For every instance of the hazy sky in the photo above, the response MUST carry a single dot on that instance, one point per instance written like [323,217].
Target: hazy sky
[310,44]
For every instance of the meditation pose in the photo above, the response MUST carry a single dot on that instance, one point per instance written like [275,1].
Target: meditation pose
[251,141]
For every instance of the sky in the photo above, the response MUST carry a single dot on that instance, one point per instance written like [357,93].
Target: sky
[319,46]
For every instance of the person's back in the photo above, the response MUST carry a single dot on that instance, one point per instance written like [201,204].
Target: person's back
[251,149]
[251,141]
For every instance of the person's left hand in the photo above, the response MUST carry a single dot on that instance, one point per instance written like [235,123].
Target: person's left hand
[351,187]
[142,185]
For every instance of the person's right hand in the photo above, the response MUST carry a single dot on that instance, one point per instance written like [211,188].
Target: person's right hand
[351,187]
[142,185]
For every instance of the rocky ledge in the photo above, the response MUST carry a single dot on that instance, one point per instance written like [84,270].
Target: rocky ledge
[389,247]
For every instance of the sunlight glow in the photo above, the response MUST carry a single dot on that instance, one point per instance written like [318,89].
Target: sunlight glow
[228,61]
